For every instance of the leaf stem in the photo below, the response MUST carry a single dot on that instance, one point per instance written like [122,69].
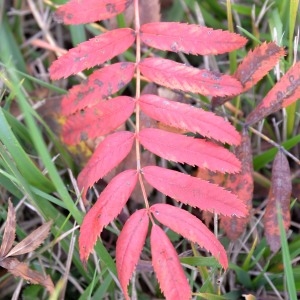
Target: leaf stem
[138,83]
[137,96]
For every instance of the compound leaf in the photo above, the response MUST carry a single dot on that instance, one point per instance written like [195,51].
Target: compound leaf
[92,52]
[190,228]
[189,38]
[184,149]
[167,267]
[189,118]
[129,246]
[194,191]
[108,206]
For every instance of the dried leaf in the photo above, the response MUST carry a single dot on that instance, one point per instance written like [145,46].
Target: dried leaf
[254,67]
[280,193]
[189,38]
[241,185]
[194,191]
[190,228]
[92,52]
[32,241]
[108,206]
[129,246]
[100,85]
[189,118]
[20,269]
[98,120]
[108,155]
[87,11]
[9,231]
[258,63]
[167,267]
[189,79]
[284,93]
[184,149]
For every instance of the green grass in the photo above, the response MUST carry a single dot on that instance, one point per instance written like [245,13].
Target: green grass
[37,171]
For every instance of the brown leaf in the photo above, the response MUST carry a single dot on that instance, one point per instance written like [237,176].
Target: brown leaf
[242,185]
[284,93]
[280,193]
[20,269]
[9,231]
[32,241]
[254,67]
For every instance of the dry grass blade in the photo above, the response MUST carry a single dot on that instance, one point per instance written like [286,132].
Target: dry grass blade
[20,269]
[31,242]
[9,231]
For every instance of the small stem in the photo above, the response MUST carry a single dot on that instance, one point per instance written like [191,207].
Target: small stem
[138,84]
[137,96]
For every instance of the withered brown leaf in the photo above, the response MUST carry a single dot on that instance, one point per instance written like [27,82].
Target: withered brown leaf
[30,243]
[9,230]
[280,193]
[242,185]
[19,269]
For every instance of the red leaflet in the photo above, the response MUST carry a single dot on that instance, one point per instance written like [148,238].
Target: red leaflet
[108,206]
[284,93]
[258,63]
[93,52]
[241,185]
[167,267]
[190,228]
[178,76]
[280,194]
[189,118]
[184,149]
[194,191]
[101,84]
[129,246]
[97,120]
[87,11]
[108,155]
[189,38]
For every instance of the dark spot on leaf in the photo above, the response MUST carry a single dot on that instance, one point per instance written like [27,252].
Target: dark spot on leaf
[81,58]
[83,136]
[279,96]
[174,47]
[111,8]
[124,65]
[98,82]
[121,84]
[128,3]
